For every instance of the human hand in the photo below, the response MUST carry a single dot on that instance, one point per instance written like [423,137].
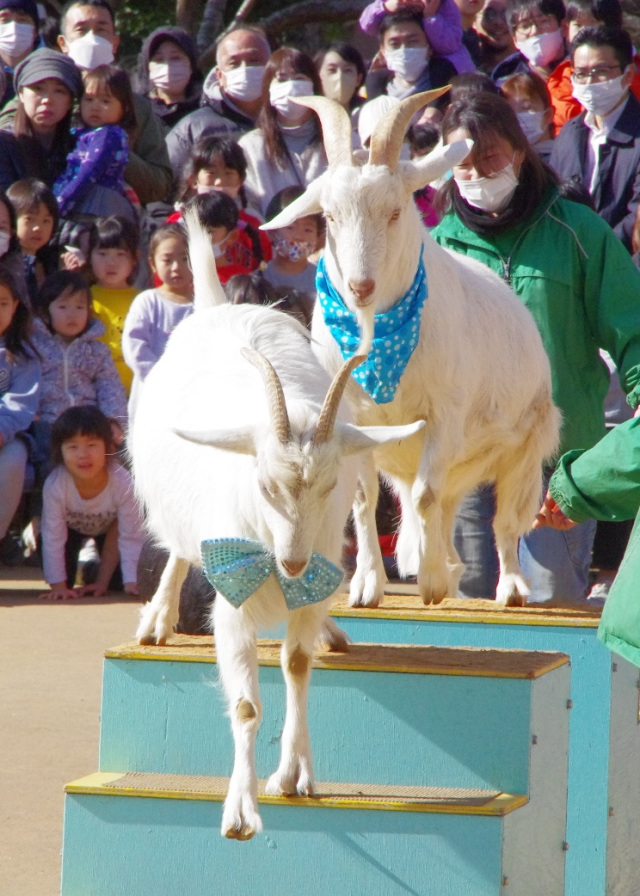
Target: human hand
[97,589]
[117,433]
[60,591]
[551,515]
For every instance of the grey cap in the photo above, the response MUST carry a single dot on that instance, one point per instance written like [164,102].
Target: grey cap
[45,63]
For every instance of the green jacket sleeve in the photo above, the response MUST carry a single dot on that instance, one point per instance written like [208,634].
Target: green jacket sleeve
[149,169]
[602,483]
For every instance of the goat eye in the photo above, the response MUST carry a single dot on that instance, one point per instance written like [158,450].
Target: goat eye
[394,216]
[328,217]
[266,493]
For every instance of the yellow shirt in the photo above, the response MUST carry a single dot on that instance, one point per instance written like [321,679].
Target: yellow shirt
[111,306]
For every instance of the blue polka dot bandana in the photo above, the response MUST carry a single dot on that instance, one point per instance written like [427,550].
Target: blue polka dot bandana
[395,334]
[236,567]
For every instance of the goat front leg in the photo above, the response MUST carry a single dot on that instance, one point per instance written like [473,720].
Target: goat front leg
[295,772]
[369,578]
[236,651]
[159,617]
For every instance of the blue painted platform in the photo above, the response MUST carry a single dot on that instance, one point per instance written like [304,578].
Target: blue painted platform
[603,816]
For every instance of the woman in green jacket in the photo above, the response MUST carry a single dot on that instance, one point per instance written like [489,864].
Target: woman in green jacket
[577,280]
[604,482]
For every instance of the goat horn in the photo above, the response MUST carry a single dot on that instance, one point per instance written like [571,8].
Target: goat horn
[275,394]
[386,140]
[337,131]
[327,418]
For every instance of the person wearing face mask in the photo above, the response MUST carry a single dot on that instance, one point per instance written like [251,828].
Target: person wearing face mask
[286,149]
[342,72]
[88,35]
[168,74]
[537,27]
[529,98]
[563,261]
[18,37]
[601,147]
[409,65]
[232,95]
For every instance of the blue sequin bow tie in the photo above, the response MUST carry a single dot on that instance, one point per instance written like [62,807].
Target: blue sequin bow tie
[238,566]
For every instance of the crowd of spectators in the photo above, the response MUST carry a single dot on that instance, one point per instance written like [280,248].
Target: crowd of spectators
[98,163]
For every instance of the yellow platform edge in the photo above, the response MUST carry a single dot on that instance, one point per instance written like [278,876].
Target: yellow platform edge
[496,805]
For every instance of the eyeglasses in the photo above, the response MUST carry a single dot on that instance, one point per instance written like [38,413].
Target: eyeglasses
[598,73]
[538,23]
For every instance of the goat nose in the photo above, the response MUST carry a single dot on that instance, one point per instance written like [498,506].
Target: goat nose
[293,568]
[362,289]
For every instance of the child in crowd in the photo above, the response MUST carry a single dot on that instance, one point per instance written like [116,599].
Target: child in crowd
[290,266]
[88,494]
[155,313]
[422,139]
[93,181]
[19,385]
[255,289]
[113,259]
[10,250]
[219,163]
[441,21]
[36,212]
[529,97]
[77,368]
[235,252]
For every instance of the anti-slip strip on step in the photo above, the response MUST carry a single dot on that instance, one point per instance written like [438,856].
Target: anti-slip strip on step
[407,605]
[328,795]
[399,658]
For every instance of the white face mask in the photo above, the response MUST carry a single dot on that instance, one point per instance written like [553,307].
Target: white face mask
[281,91]
[407,62]
[5,239]
[339,86]
[490,194]
[90,51]
[170,75]
[244,82]
[532,124]
[601,97]
[16,38]
[541,49]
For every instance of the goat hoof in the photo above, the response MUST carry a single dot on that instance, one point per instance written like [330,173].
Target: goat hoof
[335,638]
[244,833]
[147,640]
[512,591]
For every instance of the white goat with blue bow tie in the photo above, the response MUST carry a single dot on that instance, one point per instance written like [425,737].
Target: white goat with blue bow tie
[218,459]
[474,367]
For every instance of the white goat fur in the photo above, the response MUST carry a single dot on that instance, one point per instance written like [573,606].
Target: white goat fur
[208,463]
[479,375]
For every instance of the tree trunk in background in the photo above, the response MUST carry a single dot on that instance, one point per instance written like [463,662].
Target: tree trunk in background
[188,15]
[312,11]
[210,28]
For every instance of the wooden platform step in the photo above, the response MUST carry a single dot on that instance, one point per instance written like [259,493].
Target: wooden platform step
[331,795]
[399,658]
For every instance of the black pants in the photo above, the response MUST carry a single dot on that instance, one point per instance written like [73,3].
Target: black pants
[71,552]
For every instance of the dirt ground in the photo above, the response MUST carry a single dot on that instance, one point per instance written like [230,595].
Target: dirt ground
[50,684]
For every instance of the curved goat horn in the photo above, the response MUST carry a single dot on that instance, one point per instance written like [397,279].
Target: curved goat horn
[327,418]
[336,128]
[386,140]
[275,394]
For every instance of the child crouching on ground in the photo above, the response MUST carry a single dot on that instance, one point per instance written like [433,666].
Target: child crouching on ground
[87,495]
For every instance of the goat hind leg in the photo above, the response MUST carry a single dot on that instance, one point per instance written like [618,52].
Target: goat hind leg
[238,666]
[517,500]
[159,617]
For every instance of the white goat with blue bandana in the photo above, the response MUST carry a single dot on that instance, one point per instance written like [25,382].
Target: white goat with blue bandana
[474,369]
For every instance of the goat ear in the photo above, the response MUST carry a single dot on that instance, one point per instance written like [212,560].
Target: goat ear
[420,172]
[307,204]
[354,439]
[238,441]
